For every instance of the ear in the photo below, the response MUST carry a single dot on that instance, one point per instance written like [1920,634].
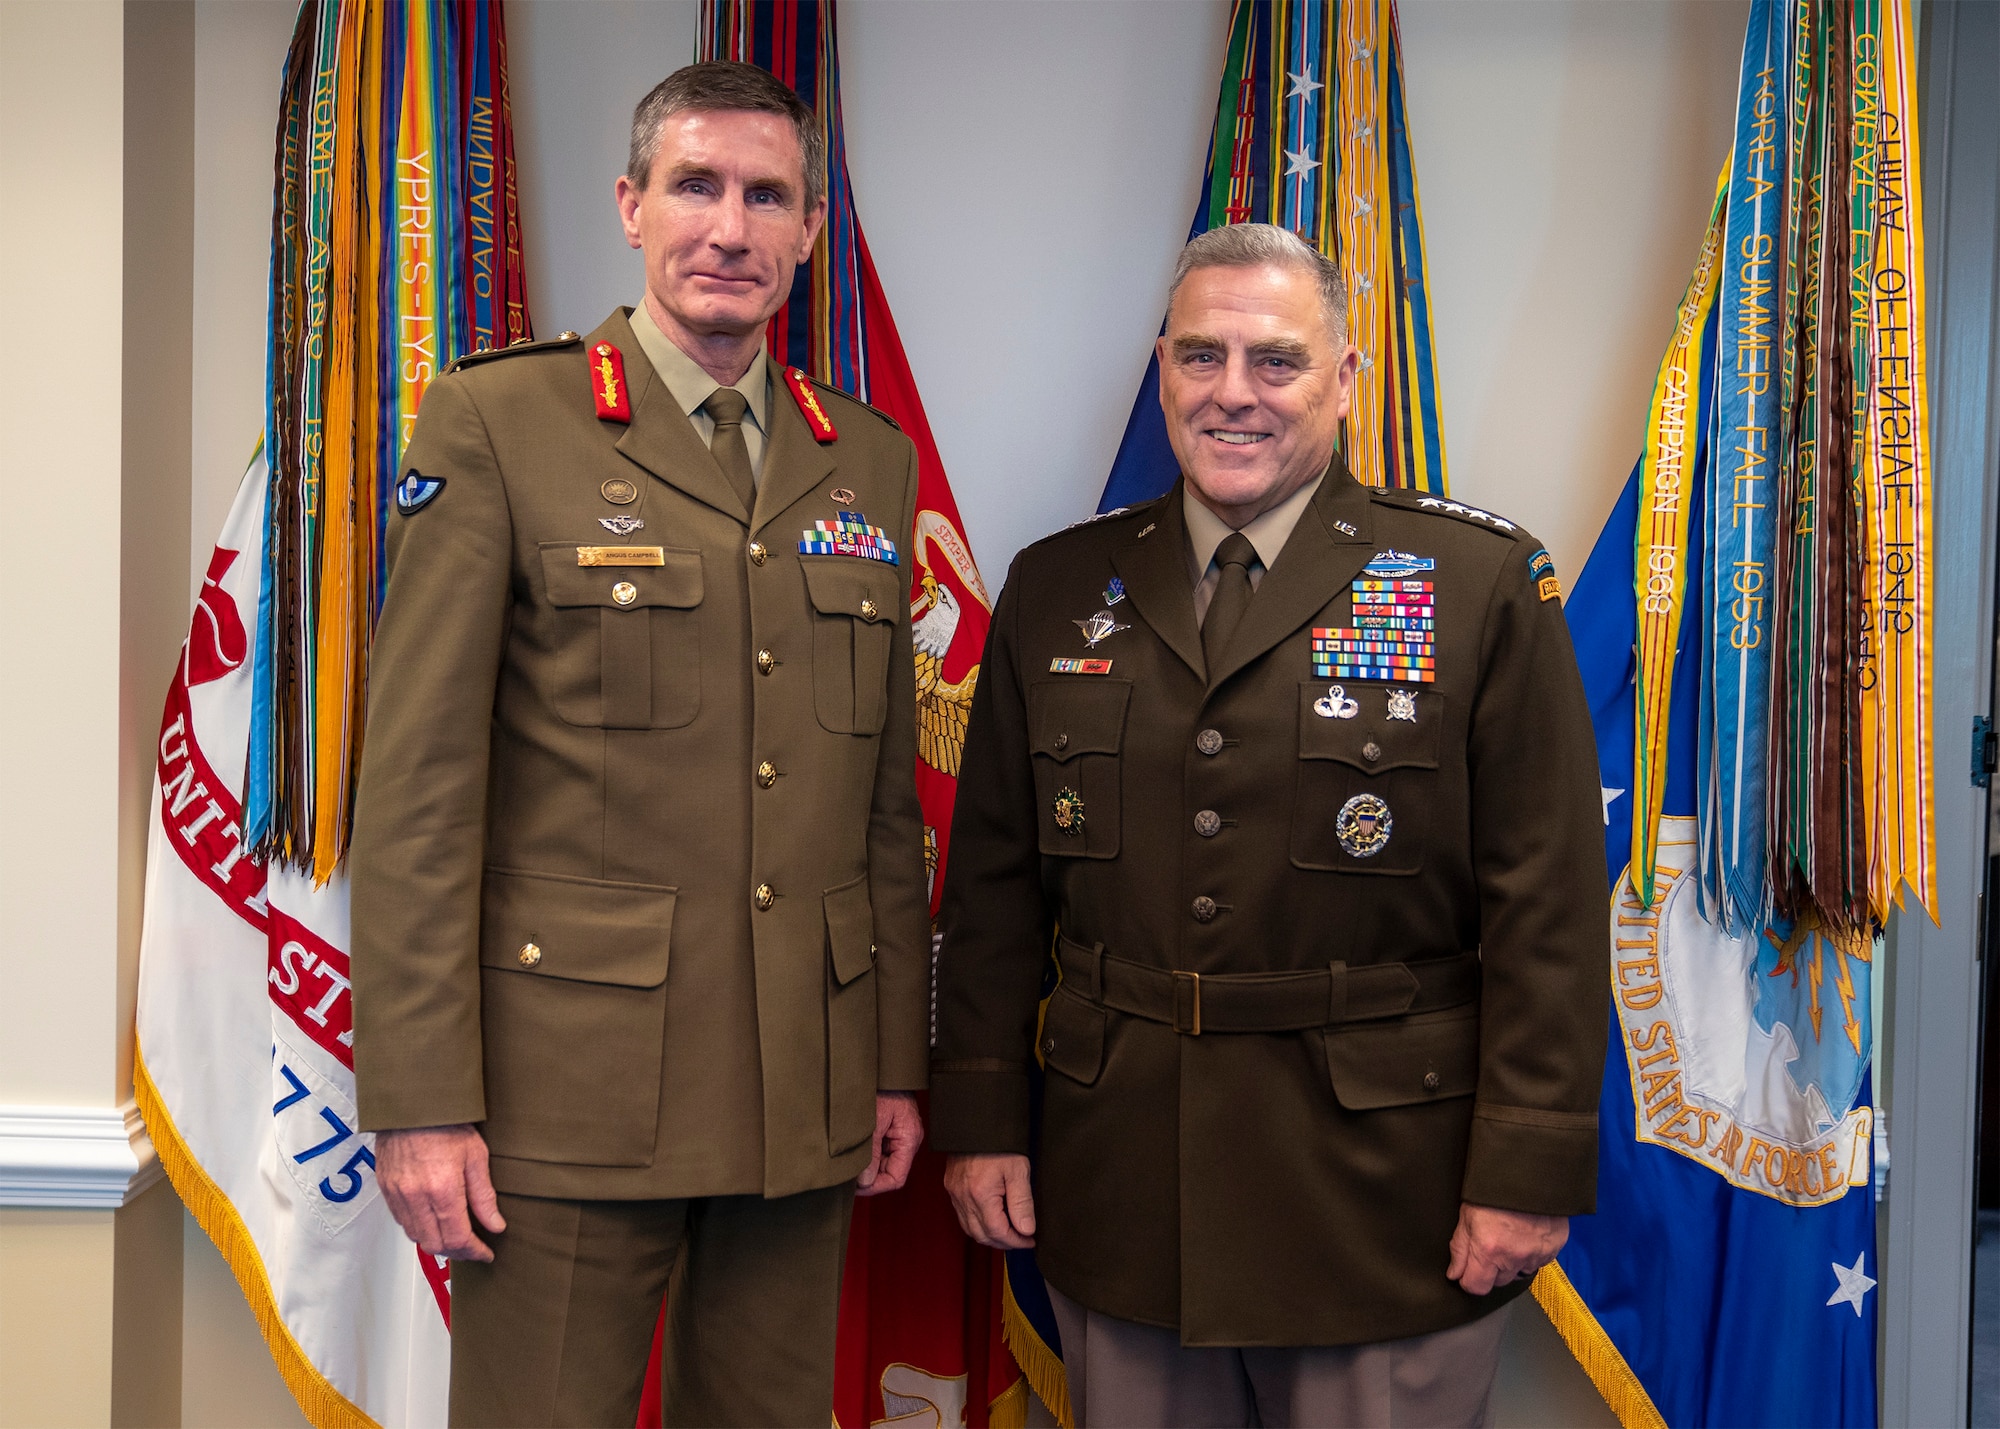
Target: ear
[1350,365]
[815,221]
[628,197]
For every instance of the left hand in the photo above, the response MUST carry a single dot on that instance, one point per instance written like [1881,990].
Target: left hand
[899,1131]
[1492,1247]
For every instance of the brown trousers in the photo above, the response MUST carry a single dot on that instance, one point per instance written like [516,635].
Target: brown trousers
[558,1328]
[1124,1374]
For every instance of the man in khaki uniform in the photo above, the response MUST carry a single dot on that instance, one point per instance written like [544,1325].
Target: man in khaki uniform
[641,947]
[1301,777]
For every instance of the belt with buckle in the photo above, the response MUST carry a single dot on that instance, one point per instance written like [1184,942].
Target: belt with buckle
[1197,1003]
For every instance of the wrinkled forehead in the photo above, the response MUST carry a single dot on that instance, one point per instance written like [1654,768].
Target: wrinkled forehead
[752,144]
[1249,305]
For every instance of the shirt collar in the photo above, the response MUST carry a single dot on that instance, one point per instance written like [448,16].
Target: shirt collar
[1268,532]
[685,378]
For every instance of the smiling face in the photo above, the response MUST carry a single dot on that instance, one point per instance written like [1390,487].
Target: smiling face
[1253,384]
[722,221]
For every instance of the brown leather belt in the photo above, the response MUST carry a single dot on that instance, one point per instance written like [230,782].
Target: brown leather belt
[1267,1002]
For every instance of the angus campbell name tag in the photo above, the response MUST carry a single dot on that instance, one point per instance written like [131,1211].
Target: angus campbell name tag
[620,556]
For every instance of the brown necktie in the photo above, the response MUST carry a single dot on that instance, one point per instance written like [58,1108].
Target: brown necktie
[725,407]
[1234,556]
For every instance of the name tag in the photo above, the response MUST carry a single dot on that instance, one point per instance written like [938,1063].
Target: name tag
[620,556]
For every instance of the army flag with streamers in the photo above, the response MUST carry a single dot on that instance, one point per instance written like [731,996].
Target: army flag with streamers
[395,246]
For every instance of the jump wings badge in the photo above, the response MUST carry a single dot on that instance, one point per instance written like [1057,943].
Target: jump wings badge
[1362,826]
[1098,627]
[1068,811]
[1335,704]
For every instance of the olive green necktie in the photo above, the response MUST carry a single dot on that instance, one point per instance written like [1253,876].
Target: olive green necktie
[1234,556]
[725,407]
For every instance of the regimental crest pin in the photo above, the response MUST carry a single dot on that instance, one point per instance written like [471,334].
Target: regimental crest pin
[1363,826]
[1098,627]
[1335,704]
[1068,811]
[416,491]
[1403,705]
[621,525]
[1114,592]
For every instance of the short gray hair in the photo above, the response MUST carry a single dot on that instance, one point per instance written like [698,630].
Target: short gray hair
[724,84]
[1257,245]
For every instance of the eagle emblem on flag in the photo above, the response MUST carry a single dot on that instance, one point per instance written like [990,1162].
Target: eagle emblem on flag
[944,708]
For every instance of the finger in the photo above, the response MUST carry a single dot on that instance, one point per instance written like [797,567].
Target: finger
[1460,1252]
[1021,1204]
[897,1159]
[995,1229]
[485,1202]
[454,1225]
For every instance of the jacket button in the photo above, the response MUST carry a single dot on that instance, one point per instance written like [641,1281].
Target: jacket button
[1371,751]
[767,774]
[1062,741]
[1208,823]
[1431,1081]
[624,592]
[1204,908]
[1209,741]
[766,661]
[757,552]
[530,955]
[765,896]
[867,609]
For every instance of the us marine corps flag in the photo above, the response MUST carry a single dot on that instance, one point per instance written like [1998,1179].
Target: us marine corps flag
[395,247]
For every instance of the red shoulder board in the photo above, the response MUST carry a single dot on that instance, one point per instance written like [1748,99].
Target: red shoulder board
[809,407]
[607,383]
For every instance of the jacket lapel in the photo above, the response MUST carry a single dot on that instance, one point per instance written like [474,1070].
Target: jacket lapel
[1155,571]
[794,463]
[1326,550]
[661,438]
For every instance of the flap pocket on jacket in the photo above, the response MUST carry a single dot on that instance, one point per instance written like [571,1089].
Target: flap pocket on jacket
[577,929]
[675,583]
[1346,722]
[1425,1058]
[850,930]
[852,585]
[1073,1037]
[1072,718]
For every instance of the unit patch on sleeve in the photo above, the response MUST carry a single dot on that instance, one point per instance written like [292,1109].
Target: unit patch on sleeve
[416,491]
[1542,571]
[1393,636]
[848,534]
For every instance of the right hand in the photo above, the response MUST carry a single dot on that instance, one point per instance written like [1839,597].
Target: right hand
[995,1205]
[432,1176]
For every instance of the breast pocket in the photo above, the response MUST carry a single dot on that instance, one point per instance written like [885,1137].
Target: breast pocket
[1368,760]
[854,625]
[1074,733]
[628,639]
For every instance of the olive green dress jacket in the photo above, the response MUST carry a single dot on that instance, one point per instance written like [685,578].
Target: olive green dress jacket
[1332,960]
[638,876]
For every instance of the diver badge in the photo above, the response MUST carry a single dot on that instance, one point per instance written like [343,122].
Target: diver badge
[1068,811]
[1099,627]
[1403,705]
[1335,704]
[1363,826]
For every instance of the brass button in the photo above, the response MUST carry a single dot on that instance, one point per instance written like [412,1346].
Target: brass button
[567,336]
[530,955]
[1204,908]
[1208,823]
[757,552]
[767,774]
[867,609]
[1371,751]
[1209,741]
[1431,1081]
[1062,741]
[624,592]
[765,896]
[766,661]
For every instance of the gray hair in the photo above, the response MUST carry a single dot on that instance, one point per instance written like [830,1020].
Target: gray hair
[724,84]
[1257,245]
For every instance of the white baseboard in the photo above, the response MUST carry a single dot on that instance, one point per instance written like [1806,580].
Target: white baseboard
[79,1158]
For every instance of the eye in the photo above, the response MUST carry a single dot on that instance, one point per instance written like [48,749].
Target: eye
[696,186]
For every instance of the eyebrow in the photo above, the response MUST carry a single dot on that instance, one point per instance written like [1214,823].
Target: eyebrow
[1270,347]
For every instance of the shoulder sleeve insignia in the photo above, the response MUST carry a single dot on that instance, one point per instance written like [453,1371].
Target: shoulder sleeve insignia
[1542,571]
[416,491]
[801,388]
[487,354]
[607,384]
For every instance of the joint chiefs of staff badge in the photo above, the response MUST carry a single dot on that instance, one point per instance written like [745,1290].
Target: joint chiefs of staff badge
[1335,704]
[1068,810]
[1363,826]
[1100,626]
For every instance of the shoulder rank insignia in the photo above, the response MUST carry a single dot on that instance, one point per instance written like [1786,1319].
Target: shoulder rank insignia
[802,392]
[416,491]
[512,349]
[1542,571]
[1470,513]
[607,384]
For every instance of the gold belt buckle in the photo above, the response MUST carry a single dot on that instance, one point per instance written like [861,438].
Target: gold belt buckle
[1193,980]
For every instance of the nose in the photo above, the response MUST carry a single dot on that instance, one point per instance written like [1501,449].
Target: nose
[731,226]
[1236,392]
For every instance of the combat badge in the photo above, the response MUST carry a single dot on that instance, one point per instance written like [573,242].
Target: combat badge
[416,491]
[1542,571]
[1363,826]
[1100,626]
[1068,811]
[1335,704]
[621,525]
[1403,705]
[1396,565]
[1063,666]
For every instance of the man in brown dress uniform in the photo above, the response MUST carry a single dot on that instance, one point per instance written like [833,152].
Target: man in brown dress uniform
[1300,777]
[641,946]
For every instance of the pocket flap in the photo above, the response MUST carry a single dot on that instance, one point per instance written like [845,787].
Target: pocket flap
[850,930]
[1073,1037]
[1077,717]
[1425,1058]
[676,582]
[582,929]
[852,585]
[1410,743]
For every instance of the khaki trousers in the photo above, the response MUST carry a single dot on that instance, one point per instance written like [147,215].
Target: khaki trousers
[1124,1374]
[558,1328]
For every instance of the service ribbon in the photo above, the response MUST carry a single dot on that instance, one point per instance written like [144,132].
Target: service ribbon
[1666,489]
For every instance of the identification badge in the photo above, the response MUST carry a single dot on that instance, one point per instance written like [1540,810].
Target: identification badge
[620,556]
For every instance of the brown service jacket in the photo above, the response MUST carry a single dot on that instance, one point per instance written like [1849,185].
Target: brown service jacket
[548,765]
[1293,1187]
